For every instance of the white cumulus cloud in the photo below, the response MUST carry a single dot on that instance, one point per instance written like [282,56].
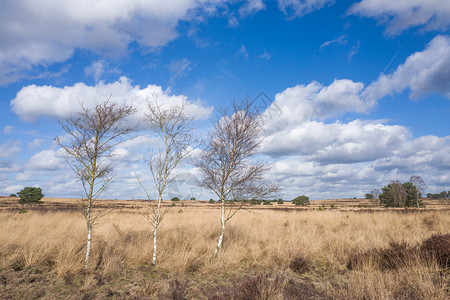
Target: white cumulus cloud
[423,72]
[41,32]
[47,160]
[324,159]
[33,102]
[401,15]
[302,103]
[356,141]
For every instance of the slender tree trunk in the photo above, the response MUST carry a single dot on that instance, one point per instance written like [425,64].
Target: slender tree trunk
[222,230]
[89,236]
[89,204]
[155,231]
[417,200]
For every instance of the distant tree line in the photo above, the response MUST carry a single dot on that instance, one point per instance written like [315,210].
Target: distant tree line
[441,195]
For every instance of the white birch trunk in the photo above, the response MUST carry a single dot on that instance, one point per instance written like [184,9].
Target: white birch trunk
[155,231]
[222,229]
[89,236]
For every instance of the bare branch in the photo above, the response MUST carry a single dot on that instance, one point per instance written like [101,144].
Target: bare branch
[227,163]
[94,132]
[175,132]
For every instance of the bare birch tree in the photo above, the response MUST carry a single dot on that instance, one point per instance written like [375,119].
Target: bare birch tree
[227,163]
[376,194]
[94,132]
[175,132]
[419,186]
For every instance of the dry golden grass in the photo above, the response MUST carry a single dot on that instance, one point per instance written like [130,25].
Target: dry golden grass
[256,241]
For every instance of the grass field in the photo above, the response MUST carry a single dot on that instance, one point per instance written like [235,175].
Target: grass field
[279,253]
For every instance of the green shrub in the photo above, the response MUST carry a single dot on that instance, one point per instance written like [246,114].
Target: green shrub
[211,201]
[267,202]
[301,200]
[280,201]
[174,204]
[255,202]
[332,205]
[22,211]
[193,198]
[175,199]
[30,195]
[13,195]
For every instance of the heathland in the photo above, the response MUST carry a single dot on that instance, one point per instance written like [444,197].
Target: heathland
[356,250]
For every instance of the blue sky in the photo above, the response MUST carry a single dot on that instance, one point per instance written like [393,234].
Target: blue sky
[357,91]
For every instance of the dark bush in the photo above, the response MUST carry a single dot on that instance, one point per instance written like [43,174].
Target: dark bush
[437,247]
[280,201]
[211,201]
[13,195]
[267,202]
[30,195]
[175,199]
[300,265]
[178,289]
[394,257]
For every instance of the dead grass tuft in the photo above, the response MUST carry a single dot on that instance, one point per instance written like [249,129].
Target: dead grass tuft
[261,287]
